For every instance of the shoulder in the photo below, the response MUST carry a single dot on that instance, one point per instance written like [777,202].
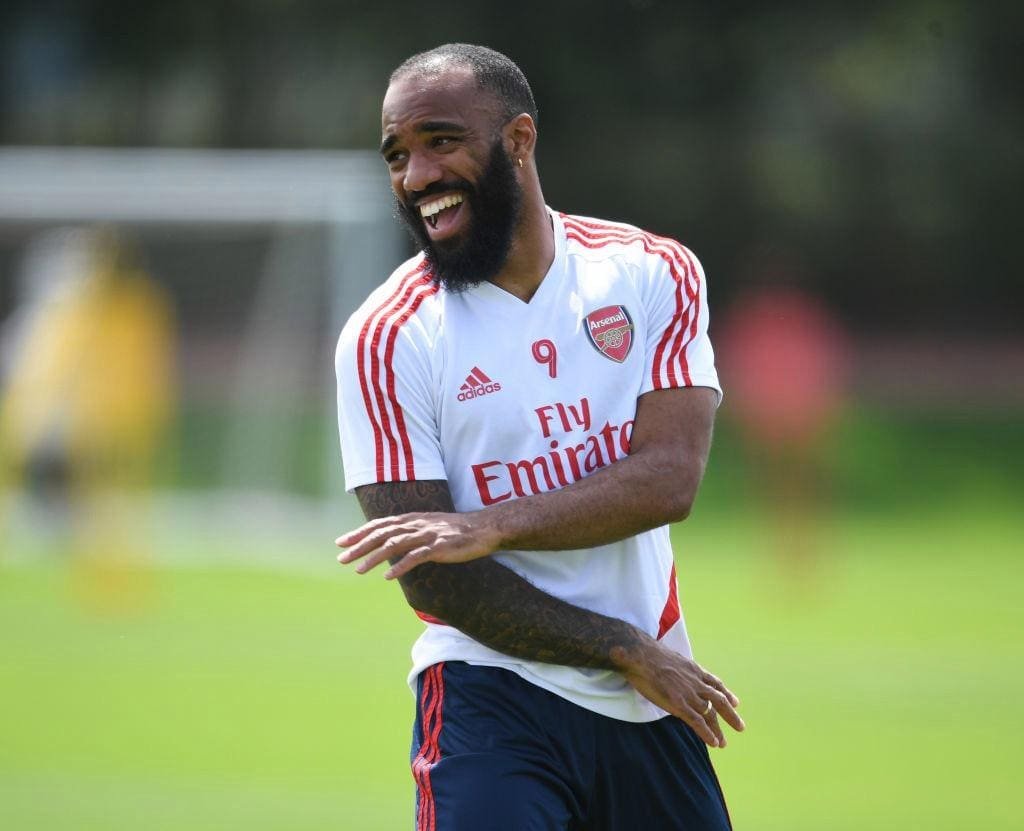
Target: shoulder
[405,304]
[650,256]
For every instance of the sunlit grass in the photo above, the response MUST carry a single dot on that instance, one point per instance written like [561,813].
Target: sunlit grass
[882,685]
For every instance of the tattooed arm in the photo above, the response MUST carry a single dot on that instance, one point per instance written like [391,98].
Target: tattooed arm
[490,602]
[495,606]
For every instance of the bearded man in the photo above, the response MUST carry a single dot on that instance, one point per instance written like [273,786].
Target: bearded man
[524,407]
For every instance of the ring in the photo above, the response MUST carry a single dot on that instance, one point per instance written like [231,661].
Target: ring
[707,709]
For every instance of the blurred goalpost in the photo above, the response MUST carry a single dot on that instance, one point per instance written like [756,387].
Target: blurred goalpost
[322,234]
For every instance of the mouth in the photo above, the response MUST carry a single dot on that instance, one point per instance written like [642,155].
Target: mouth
[440,214]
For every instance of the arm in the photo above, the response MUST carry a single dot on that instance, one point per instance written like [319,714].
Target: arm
[654,485]
[498,608]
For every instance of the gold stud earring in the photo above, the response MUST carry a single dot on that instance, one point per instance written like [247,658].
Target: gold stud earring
[520,162]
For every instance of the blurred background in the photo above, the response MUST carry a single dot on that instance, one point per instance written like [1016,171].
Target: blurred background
[190,207]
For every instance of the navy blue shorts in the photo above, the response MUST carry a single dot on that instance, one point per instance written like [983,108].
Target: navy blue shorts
[492,752]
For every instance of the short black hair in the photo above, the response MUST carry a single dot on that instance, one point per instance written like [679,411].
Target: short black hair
[494,72]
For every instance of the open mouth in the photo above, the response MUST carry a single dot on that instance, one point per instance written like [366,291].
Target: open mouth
[440,209]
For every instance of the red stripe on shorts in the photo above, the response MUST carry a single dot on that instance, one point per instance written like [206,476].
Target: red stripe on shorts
[431,707]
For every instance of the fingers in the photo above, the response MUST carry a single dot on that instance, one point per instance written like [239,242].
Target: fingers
[408,562]
[711,720]
[403,551]
[701,711]
[353,537]
[405,541]
[712,700]
[722,704]
[411,539]
[723,701]
[704,723]
[379,545]
[682,687]
[714,681]
[397,551]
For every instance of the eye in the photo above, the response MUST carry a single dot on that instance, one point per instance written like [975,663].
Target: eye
[442,141]
[395,158]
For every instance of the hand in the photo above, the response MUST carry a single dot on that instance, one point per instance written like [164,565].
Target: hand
[684,689]
[411,539]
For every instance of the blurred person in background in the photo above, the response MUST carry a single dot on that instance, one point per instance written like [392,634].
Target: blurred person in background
[524,407]
[88,393]
[784,355]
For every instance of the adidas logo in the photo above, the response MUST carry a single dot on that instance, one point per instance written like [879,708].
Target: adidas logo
[477,384]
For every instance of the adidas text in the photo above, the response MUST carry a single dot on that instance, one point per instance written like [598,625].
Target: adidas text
[476,392]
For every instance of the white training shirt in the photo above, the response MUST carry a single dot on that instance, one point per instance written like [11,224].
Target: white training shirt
[504,399]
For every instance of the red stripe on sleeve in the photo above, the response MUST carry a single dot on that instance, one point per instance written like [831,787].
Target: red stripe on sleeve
[384,393]
[389,374]
[694,312]
[677,355]
[361,347]
[368,347]
[678,315]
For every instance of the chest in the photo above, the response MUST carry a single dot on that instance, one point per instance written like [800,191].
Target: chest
[520,379]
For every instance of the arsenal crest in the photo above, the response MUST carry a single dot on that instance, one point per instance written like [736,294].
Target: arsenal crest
[610,330]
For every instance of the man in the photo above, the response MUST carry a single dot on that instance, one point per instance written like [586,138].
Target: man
[524,407]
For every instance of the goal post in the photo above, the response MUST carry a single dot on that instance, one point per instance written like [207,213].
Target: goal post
[264,253]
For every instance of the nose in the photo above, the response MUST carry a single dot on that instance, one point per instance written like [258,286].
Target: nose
[421,170]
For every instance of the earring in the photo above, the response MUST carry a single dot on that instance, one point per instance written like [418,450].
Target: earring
[520,162]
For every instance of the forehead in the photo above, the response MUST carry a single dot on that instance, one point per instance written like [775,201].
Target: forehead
[448,95]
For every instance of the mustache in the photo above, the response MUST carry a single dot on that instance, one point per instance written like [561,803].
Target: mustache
[412,197]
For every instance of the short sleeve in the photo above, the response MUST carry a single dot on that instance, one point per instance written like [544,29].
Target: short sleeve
[679,352]
[386,415]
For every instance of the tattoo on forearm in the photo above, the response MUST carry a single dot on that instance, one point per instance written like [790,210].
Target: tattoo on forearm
[491,603]
[392,498]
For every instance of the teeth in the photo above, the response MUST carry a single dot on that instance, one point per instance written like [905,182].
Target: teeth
[428,209]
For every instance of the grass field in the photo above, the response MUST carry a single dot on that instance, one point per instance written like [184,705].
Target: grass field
[883,689]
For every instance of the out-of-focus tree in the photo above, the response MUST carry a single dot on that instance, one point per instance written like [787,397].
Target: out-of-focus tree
[885,142]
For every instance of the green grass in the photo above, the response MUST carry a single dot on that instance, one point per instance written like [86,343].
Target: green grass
[882,688]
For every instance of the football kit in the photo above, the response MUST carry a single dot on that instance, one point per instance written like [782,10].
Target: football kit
[504,399]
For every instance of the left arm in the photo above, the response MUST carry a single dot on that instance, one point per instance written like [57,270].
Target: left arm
[654,485]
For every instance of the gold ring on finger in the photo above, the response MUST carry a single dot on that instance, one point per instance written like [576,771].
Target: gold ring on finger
[707,709]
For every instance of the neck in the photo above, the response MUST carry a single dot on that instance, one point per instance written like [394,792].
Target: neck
[532,252]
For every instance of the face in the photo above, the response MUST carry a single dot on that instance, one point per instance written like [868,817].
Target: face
[454,182]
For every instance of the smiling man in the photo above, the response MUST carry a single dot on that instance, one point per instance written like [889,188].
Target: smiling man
[524,407]
[440,214]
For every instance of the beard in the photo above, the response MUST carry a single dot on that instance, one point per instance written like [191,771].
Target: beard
[480,253]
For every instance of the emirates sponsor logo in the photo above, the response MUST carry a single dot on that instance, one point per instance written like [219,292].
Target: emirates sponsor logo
[610,331]
[565,462]
[477,384]
[574,448]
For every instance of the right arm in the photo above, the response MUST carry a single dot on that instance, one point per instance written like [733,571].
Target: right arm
[495,606]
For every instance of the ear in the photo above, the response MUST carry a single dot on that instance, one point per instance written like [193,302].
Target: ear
[520,136]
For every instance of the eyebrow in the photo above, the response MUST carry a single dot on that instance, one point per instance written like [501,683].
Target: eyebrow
[425,127]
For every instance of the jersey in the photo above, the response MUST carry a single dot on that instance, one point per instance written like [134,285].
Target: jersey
[505,399]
